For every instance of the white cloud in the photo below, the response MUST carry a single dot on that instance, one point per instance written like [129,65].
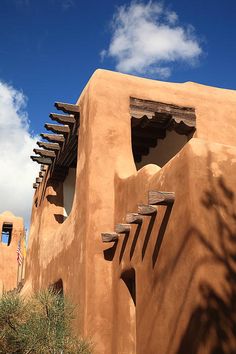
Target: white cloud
[16,144]
[147,39]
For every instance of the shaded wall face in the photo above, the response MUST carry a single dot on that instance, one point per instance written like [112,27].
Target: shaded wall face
[9,266]
[165,150]
[183,256]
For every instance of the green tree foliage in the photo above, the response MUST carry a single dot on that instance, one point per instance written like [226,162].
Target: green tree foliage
[40,324]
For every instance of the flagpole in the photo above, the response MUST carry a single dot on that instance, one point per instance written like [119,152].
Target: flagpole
[18,271]
[22,267]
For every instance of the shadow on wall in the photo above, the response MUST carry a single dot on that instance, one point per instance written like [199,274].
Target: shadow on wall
[57,200]
[64,195]
[109,253]
[217,313]
[211,327]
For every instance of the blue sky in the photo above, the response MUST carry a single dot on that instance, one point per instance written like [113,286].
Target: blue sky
[50,48]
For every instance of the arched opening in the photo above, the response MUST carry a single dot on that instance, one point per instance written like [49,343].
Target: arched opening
[126,341]
[128,278]
[57,287]
[159,131]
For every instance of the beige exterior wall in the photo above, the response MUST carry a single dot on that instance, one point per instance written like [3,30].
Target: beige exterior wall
[184,259]
[9,272]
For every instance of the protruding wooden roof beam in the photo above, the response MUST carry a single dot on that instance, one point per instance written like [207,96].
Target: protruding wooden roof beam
[48,146]
[58,129]
[59,138]
[161,198]
[62,119]
[147,209]
[42,160]
[35,185]
[122,228]
[134,218]
[43,168]
[45,153]
[67,108]
[109,236]
[41,174]
[38,180]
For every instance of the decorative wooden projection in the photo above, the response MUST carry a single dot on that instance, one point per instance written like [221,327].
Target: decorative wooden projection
[58,129]
[43,168]
[35,185]
[42,160]
[147,209]
[59,138]
[67,108]
[38,180]
[45,153]
[134,218]
[48,146]
[62,119]
[163,114]
[122,228]
[60,150]
[155,198]
[109,236]
[150,120]
[41,174]
[161,198]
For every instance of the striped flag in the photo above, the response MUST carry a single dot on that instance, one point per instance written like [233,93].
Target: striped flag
[18,252]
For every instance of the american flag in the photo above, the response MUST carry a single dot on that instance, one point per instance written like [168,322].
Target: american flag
[19,255]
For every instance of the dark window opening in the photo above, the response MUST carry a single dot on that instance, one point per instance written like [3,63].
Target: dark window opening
[57,287]
[159,130]
[6,233]
[129,279]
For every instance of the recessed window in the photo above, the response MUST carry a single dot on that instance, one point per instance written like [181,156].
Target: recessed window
[69,191]
[159,130]
[6,233]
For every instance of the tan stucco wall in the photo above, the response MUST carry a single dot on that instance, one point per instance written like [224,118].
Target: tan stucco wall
[8,255]
[178,285]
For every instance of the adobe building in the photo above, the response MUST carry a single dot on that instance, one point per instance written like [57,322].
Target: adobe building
[11,270]
[134,215]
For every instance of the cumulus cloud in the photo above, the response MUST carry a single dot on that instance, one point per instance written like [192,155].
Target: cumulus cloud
[147,39]
[16,145]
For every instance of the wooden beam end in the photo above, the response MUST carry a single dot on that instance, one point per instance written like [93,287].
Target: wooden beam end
[109,236]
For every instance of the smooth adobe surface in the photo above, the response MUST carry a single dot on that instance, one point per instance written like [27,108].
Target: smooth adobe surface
[8,255]
[170,281]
